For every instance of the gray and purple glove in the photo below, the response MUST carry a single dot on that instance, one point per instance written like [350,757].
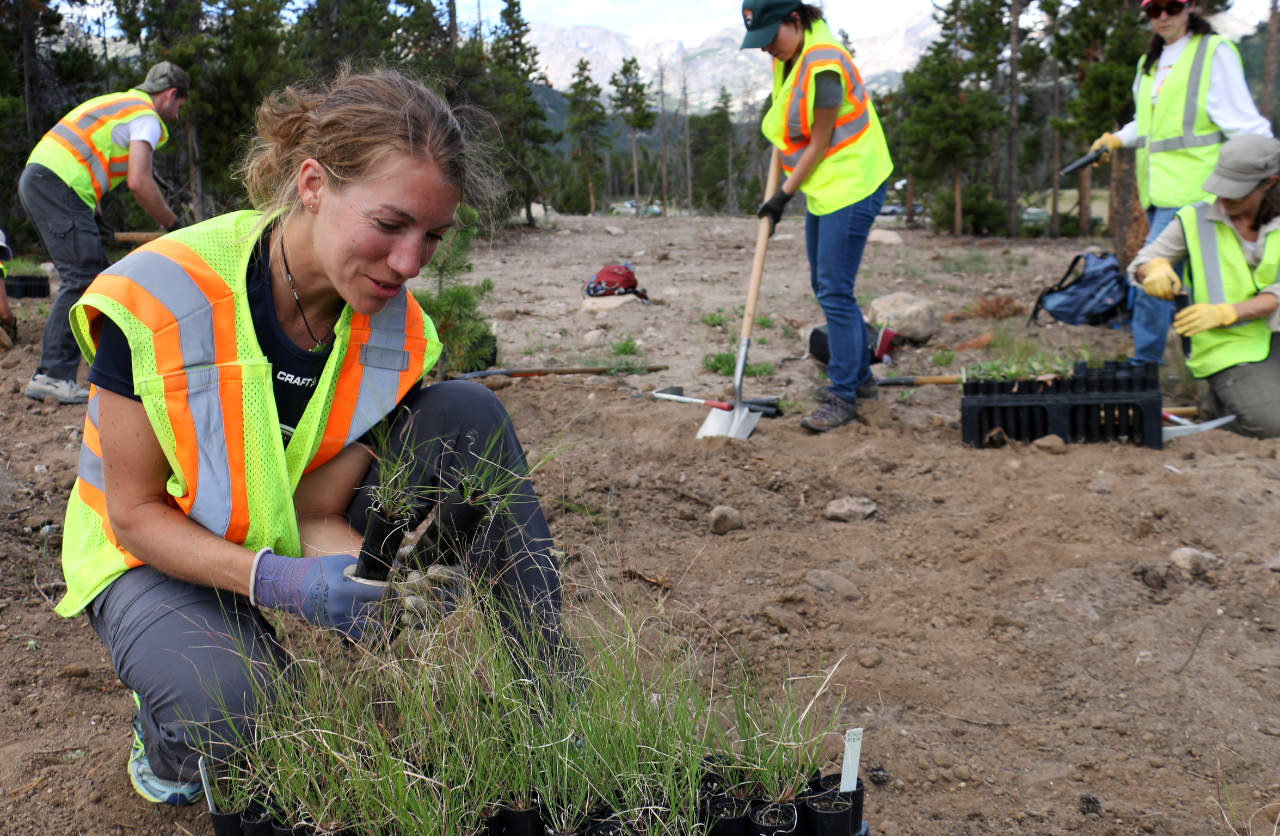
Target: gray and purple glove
[321,589]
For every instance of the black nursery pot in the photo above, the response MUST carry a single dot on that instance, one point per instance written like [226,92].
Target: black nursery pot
[21,285]
[832,783]
[225,824]
[255,821]
[828,814]
[773,818]
[378,549]
[522,822]
[727,816]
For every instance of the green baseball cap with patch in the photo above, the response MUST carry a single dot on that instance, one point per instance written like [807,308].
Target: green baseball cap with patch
[762,18]
[164,75]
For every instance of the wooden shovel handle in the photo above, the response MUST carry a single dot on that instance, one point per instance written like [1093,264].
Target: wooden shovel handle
[135,237]
[762,243]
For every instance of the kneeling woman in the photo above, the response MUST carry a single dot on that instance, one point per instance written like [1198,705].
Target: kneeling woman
[1232,247]
[237,367]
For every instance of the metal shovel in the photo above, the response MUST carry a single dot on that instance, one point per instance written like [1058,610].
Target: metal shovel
[740,421]
[1186,427]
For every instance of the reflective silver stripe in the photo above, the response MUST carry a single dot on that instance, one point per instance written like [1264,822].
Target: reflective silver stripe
[1210,263]
[1180,142]
[380,378]
[178,293]
[795,113]
[1141,143]
[851,128]
[1189,138]
[89,468]
[89,117]
[118,169]
[791,160]
[86,152]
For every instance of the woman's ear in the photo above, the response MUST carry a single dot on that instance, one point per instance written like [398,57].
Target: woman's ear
[311,180]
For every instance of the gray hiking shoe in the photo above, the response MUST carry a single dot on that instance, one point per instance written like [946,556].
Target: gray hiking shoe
[42,386]
[831,413]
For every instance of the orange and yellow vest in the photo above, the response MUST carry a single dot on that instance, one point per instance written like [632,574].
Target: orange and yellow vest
[857,161]
[80,150]
[207,391]
[1177,141]
[1219,273]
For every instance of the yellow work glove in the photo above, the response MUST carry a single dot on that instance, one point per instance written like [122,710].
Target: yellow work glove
[1106,143]
[1194,319]
[1161,281]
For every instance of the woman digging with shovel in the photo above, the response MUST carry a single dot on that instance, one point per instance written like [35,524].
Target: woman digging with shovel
[824,127]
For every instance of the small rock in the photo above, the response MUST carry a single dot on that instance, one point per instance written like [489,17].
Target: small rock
[95,795]
[593,337]
[75,671]
[1193,561]
[724,518]
[1100,487]
[613,230]
[1090,806]
[1051,444]
[1274,564]
[785,620]
[849,508]
[877,774]
[870,658]
[885,236]
[826,581]
[962,773]
[497,382]
[915,317]
[943,759]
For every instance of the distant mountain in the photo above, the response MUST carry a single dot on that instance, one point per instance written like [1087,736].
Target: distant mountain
[715,62]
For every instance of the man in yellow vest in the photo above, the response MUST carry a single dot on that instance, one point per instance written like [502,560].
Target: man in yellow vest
[105,141]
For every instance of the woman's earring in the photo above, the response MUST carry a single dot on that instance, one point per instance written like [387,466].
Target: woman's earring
[312,207]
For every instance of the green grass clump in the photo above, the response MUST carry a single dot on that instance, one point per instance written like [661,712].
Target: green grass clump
[943,358]
[626,347]
[716,319]
[764,321]
[723,363]
[969,262]
[22,266]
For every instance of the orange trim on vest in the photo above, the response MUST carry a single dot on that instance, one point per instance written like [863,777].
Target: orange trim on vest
[99,189]
[346,393]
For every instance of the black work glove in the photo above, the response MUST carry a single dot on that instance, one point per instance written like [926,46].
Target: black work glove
[176,225]
[772,209]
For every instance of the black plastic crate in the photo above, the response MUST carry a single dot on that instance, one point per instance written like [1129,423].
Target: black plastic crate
[1115,403]
[20,285]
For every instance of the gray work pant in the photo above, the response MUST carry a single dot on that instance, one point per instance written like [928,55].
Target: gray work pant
[70,236]
[200,659]
[1252,392]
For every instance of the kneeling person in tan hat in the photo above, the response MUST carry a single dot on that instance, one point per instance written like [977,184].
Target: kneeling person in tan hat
[1232,247]
[104,142]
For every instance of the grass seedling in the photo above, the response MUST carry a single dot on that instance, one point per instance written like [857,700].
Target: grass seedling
[723,363]
[969,262]
[943,358]
[625,347]
[764,321]
[715,319]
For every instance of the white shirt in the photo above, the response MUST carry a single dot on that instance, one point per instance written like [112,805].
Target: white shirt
[144,128]
[1230,106]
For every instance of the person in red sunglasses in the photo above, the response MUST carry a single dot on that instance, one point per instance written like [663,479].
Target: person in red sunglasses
[1187,70]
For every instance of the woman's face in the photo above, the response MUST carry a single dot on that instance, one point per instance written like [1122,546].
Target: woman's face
[1247,206]
[1170,27]
[787,43]
[372,236]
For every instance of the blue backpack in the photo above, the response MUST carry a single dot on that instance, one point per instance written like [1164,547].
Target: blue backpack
[1092,297]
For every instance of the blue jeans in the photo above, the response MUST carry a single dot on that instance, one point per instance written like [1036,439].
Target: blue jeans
[835,242]
[1151,316]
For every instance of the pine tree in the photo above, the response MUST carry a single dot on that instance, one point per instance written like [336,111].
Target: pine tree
[586,126]
[631,102]
[513,72]
[331,32]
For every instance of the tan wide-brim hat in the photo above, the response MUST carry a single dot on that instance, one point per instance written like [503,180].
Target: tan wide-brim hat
[1244,161]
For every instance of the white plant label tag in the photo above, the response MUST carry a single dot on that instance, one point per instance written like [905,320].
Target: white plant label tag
[852,754]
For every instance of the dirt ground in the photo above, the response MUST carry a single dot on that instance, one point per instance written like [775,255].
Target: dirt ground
[1022,652]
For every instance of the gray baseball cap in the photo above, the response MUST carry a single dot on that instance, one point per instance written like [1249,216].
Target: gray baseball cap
[1244,161]
[164,75]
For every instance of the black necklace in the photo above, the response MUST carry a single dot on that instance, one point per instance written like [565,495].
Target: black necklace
[319,344]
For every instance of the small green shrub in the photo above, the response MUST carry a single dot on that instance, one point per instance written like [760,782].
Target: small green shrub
[625,347]
[715,319]
[764,321]
[723,363]
[943,358]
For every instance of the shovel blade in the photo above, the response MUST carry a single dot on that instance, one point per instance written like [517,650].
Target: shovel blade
[1168,433]
[737,423]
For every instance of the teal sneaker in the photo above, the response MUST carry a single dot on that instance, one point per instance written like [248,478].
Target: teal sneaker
[146,783]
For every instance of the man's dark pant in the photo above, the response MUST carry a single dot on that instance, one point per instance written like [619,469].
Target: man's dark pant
[70,236]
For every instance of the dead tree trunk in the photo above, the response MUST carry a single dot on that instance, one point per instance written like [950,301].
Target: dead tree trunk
[1085,184]
[662,131]
[688,145]
[957,212]
[1013,118]
[1127,221]
[1269,64]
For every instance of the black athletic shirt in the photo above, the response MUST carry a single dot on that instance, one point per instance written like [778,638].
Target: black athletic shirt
[296,370]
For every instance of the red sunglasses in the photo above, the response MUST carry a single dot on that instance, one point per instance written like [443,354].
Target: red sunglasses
[1173,8]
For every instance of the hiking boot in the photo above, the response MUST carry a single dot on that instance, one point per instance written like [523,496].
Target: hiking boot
[155,789]
[831,413]
[42,386]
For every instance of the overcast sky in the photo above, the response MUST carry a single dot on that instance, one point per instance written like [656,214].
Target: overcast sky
[693,22]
